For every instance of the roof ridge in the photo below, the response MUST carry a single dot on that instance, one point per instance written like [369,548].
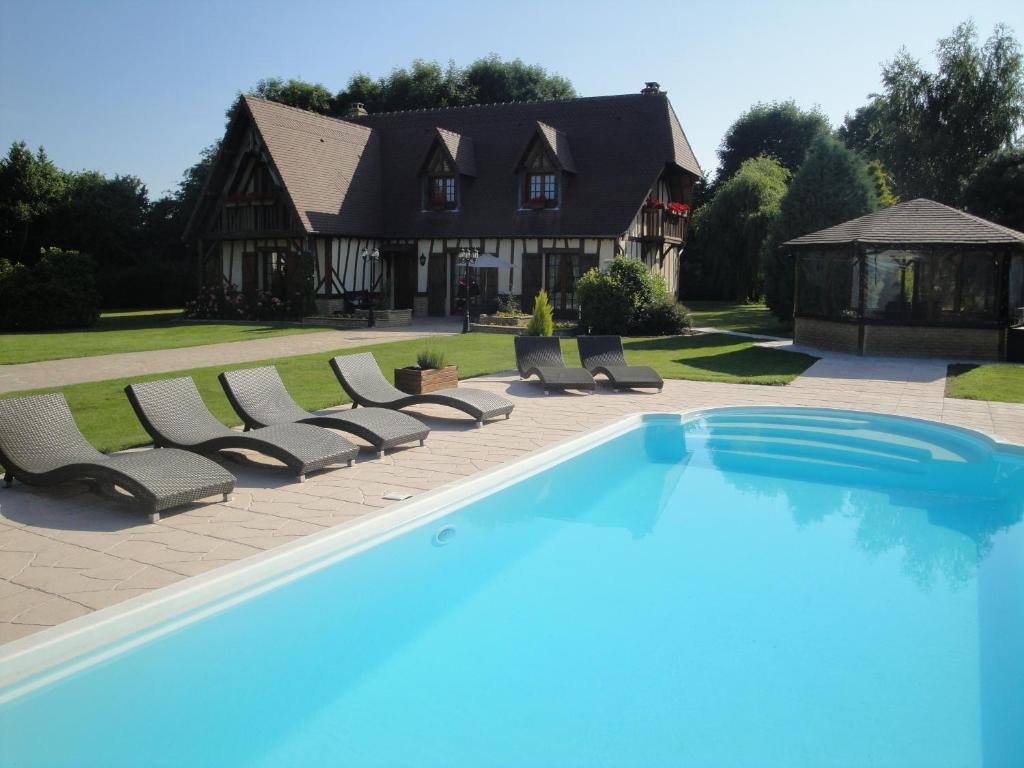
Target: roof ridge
[423,110]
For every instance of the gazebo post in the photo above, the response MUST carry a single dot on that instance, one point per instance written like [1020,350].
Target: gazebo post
[862,292]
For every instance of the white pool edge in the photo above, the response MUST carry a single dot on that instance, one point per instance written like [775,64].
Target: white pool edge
[43,657]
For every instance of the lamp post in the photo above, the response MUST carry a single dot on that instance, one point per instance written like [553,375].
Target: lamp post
[467,258]
[373,257]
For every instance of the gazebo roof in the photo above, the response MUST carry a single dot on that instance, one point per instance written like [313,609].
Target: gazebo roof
[916,222]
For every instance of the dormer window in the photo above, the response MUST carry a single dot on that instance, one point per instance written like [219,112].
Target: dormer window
[442,190]
[540,179]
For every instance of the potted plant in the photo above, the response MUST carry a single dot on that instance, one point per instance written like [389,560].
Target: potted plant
[430,374]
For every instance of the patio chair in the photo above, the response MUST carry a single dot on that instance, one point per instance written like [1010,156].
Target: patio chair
[361,378]
[40,444]
[603,354]
[259,396]
[175,416]
[541,356]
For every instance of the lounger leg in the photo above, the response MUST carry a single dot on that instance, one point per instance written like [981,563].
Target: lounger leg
[351,462]
[302,477]
[154,517]
[423,441]
[508,415]
[380,454]
[9,476]
[479,424]
[227,497]
[354,406]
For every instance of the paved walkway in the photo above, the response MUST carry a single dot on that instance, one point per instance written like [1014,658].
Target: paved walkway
[66,552]
[56,373]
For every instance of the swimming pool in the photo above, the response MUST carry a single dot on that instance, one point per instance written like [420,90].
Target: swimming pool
[735,587]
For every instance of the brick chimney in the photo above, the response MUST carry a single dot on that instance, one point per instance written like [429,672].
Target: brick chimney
[356,109]
[651,87]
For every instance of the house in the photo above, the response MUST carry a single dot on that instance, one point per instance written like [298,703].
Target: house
[552,188]
[918,278]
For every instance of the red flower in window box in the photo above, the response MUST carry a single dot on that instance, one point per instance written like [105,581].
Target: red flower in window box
[677,209]
[537,202]
[654,203]
[438,201]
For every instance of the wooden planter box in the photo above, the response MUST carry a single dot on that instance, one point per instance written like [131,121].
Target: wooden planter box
[417,381]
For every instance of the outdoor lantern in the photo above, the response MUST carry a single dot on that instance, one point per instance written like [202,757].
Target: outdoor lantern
[467,257]
[423,259]
[373,257]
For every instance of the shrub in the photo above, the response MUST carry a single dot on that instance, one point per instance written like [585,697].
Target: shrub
[428,359]
[628,299]
[226,302]
[604,308]
[58,291]
[664,317]
[542,323]
[508,304]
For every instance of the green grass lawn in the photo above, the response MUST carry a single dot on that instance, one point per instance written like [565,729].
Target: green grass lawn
[745,318]
[1001,382]
[104,415]
[132,332]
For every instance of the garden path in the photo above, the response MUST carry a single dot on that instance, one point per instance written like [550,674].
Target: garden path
[75,370]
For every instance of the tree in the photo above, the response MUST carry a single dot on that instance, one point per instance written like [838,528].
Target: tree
[882,182]
[780,130]
[295,93]
[426,84]
[30,187]
[996,189]
[723,255]
[831,187]
[542,322]
[932,129]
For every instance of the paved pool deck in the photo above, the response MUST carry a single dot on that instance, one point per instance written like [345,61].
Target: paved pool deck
[65,552]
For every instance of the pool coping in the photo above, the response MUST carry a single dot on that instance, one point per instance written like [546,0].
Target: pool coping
[36,660]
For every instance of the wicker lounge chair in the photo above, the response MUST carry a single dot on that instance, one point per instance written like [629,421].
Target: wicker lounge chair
[259,396]
[603,354]
[541,356]
[361,378]
[175,416]
[40,444]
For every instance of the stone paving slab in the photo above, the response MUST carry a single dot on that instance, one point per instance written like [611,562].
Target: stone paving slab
[75,370]
[65,552]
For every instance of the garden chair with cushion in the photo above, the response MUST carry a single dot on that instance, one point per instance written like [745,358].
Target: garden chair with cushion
[175,416]
[604,354]
[259,396]
[361,378]
[541,356]
[40,444]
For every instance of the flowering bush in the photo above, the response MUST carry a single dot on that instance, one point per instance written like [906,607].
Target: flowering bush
[226,302]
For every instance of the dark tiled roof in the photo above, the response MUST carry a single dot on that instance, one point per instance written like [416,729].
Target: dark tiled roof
[916,222]
[330,168]
[620,146]
[460,148]
[558,145]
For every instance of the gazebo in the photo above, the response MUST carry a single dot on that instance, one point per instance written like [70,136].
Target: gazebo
[919,279]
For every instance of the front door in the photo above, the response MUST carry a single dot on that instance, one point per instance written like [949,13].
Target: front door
[562,270]
[437,285]
[250,273]
[403,265]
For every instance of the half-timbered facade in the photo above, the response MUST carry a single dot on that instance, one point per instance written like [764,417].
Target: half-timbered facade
[551,188]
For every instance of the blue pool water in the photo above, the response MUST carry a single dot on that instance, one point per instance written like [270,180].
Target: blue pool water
[755,587]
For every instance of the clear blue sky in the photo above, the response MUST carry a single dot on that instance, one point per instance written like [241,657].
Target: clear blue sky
[140,87]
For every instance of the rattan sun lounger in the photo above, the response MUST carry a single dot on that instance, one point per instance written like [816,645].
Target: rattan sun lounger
[603,354]
[541,356]
[361,378]
[259,396]
[40,444]
[174,414]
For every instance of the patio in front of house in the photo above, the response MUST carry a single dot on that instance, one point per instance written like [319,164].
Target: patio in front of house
[65,552]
